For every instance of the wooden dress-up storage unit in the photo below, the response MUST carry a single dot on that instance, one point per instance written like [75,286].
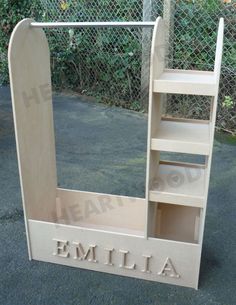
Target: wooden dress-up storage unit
[156,238]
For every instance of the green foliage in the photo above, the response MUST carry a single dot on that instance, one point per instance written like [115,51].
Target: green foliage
[11,12]
[195,36]
[107,63]
[194,48]
[228,103]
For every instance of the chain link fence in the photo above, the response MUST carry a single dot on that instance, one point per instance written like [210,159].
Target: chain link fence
[113,64]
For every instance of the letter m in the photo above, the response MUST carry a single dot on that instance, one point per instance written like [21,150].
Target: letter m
[81,254]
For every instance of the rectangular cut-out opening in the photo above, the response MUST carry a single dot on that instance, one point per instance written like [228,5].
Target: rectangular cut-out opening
[175,222]
[100,149]
[98,157]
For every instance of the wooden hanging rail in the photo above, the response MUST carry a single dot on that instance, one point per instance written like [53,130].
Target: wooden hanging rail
[96,24]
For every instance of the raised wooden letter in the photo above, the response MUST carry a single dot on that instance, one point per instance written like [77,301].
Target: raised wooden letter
[109,256]
[61,248]
[80,253]
[168,269]
[124,260]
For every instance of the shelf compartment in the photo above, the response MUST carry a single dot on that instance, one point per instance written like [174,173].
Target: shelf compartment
[97,211]
[201,107]
[182,136]
[186,82]
[179,183]
[176,222]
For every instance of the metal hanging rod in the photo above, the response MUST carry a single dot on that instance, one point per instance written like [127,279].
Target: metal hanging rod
[114,24]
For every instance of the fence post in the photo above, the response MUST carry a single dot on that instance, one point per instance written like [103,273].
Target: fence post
[146,47]
[168,17]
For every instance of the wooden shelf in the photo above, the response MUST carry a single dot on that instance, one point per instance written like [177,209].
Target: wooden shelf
[183,136]
[186,82]
[179,183]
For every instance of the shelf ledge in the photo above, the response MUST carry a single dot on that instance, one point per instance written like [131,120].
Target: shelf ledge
[179,183]
[186,82]
[182,136]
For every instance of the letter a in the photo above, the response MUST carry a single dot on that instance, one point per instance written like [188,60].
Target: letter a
[168,269]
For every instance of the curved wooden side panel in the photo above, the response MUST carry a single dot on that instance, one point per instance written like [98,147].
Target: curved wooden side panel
[158,49]
[30,77]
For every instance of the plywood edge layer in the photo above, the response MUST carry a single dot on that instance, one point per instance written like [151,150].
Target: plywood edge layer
[179,199]
[180,146]
[183,164]
[61,191]
[182,87]
[184,120]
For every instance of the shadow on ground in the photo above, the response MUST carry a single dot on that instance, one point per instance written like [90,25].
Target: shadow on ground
[103,149]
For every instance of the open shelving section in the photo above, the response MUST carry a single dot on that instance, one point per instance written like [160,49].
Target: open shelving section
[177,191]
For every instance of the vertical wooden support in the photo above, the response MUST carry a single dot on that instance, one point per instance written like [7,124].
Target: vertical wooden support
[146,44]
[214,104]
[155,111]
[29,65]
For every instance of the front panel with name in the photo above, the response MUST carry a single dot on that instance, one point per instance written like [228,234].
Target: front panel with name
[151,259]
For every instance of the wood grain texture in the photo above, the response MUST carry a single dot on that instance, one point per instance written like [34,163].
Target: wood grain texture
[30,76]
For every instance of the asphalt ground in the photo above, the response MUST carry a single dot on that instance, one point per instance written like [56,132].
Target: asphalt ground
[103,149]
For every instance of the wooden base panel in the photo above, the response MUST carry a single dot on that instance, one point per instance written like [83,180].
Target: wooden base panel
[149,259]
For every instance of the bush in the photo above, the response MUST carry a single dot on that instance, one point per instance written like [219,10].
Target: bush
[11,12]
[107,63]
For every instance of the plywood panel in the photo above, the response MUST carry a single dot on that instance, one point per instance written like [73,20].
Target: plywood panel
[110,212]
[157,64]
[186,82]
[184,257]
[29,65]
[177,222]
